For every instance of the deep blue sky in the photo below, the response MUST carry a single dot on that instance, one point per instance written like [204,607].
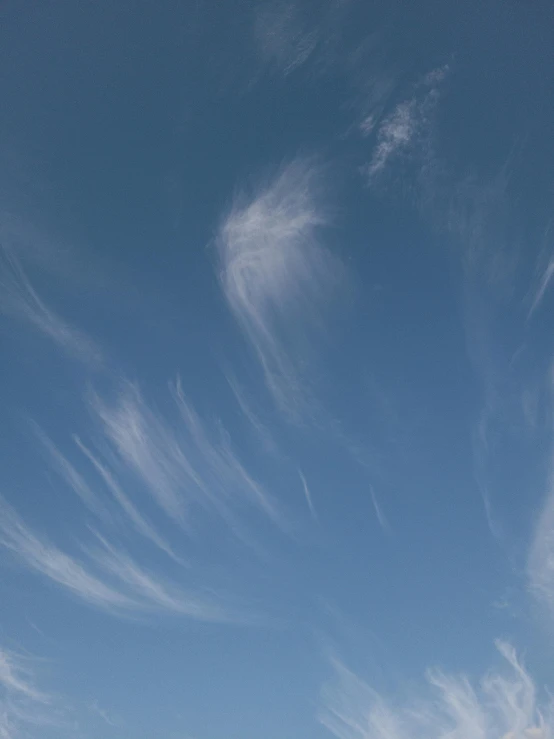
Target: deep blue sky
[276,389]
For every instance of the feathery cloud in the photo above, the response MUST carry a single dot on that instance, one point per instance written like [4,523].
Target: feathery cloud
[15,679]
[404,127]
[545,279]
[139,522]
[19,298]
[68,472]
[541,556]
[41,556]
[276,276]
[282,39]
[21,702]
[180,464]
[504,704]
[110,579]
[307,494]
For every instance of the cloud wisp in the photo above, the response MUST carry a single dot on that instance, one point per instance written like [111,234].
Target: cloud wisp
[541,556]
[402,130]
[503,705]
[276,276]
[182,465]
[22,704]
[20,299]
[106,577]
[282,39]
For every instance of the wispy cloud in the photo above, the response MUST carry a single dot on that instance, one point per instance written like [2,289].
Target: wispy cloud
[544,280]
[402,129]
[20,299]
[503,704]
[21,702]
[15,677]
[394,135]
[307,495]
[68,472]
[40,556]
[541,555]
[180,463]
[137,519]
[383,523]
[260,428]
[276,275]
[109,578]
[282,37]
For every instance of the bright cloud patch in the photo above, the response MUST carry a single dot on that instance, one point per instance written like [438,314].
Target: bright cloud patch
[503,704]
[276,275]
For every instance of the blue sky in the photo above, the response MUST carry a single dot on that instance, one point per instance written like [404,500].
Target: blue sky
[277,370]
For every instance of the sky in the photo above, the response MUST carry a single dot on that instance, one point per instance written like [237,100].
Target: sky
[277,369]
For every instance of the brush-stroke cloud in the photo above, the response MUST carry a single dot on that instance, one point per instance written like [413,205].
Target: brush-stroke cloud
[544,284]
[21,702]
[15,677]
[108,578]
[402,130]
[383,522]
[139,522]
[180,463]
[541,556]
[282,38]
[307,495]
[503,704]
[276,276]
[68,472]
[19,299]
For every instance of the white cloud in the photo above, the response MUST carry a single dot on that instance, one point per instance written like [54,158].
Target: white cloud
[110,579]
[394,135]
[138,520]
[307,494]
[21,702]
[276,276]
[542,287]
[45,558]
[503,704]
[383,523]
[282,38]
[15,678]
[403,128]
[151,590]
[541,556]
[180,464]
[19,298]
[259,427]
[69,473]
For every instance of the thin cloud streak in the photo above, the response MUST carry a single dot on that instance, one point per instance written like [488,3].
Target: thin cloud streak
[276,277]
[41,556]
[542,288]
[19,298]
[21,703]
[383,523]
[541,556]
[119,585]
[181,464]
[15,679]
[307,495]
[141,525]
[503,704]
[69,473]
[261,430]
[281,37]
